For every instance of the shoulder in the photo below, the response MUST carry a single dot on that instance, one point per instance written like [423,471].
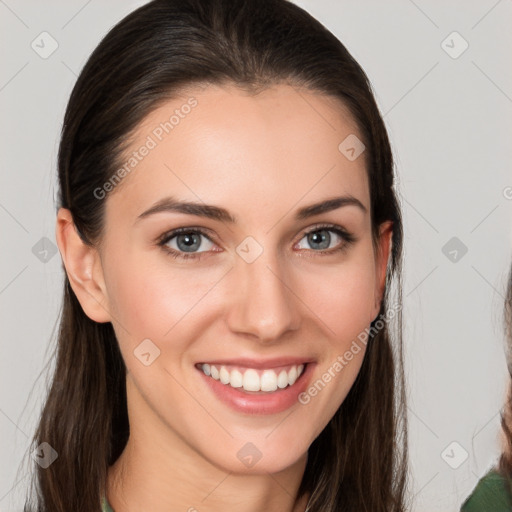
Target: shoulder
[490,493]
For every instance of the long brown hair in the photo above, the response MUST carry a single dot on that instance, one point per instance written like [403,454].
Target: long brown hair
[505,461]
[358,462]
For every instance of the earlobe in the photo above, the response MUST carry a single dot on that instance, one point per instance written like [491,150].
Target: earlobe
[83,268]
[384,250]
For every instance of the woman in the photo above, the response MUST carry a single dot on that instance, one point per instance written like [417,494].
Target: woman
[494,490]
[229,232]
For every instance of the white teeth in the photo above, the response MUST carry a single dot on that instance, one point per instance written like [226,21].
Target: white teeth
[292,376]
[282,380]
[224,375]
[236,379]
[250,380]
[268,381]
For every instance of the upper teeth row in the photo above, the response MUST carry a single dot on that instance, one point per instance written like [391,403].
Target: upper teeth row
[251,381]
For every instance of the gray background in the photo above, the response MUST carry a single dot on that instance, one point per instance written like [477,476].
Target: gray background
[450,123]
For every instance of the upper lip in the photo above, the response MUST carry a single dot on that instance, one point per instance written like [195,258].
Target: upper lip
[260,363]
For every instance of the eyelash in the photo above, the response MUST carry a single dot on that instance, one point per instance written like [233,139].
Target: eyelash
[348,238]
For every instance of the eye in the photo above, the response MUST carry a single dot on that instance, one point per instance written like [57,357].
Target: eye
[186,242]
[320,238]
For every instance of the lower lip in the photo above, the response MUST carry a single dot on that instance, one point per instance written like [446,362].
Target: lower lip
[260,403]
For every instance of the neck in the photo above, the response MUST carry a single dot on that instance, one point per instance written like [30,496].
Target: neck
[150,481]
[160,471]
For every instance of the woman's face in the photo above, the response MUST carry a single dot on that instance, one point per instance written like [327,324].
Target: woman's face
[254,286]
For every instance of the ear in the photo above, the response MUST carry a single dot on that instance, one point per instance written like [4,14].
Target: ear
[381,262]
[83,267]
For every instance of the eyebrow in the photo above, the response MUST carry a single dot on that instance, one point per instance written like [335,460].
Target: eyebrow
[170,204]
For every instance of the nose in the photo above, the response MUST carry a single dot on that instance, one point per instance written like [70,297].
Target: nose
[263,304]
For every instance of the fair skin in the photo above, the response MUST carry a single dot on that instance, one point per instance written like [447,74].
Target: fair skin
[262,158]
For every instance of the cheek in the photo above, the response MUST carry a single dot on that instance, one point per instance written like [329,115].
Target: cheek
[343,299]
[150,299]
[154,301]
[342,302]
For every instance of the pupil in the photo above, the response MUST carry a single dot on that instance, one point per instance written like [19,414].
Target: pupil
[316,238]
[189,239]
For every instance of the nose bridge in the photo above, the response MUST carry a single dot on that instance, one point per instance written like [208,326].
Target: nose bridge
[263,302]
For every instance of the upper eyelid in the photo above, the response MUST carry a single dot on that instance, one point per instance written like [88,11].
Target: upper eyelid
[184,229]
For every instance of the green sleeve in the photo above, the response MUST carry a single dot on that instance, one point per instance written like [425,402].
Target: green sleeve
[490,494]
[105,506]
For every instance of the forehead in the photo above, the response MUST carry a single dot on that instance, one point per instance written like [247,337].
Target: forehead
[220,144]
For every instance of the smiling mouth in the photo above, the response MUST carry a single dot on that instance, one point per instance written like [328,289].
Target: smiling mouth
[254,381]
